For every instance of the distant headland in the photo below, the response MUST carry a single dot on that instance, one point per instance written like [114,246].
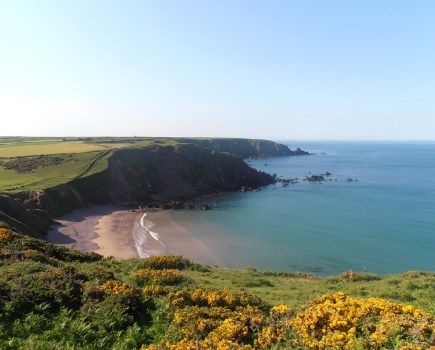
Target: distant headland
[44,178]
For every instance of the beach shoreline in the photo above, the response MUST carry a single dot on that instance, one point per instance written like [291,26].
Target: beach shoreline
[99,229]
[124,234]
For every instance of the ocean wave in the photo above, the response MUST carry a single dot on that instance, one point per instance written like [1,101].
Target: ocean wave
[155,235]
[147,224]
[140,239]
[141,234]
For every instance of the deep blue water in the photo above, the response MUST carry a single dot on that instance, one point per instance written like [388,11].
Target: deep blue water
[383,223]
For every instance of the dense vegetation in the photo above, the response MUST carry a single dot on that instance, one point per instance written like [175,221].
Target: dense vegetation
[55,298]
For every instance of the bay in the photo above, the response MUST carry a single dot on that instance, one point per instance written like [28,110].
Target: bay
[383,221]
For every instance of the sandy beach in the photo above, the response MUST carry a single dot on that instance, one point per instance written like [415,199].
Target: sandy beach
[116,232]
[180,241]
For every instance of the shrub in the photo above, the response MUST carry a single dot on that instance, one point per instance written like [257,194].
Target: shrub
[350,276]
[99,273]
[336,321]
[161,277]
[126,294]
[7,236]
[214,298]
[29,284]
[161,262]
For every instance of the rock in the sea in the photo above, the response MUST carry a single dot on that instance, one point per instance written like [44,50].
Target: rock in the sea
[315,178]
[299,152]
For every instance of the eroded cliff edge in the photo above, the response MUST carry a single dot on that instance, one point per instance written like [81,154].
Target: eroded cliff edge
[150,175]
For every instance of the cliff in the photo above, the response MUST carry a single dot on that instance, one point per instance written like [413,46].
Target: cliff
[150,175]
[155,175]
[244,148]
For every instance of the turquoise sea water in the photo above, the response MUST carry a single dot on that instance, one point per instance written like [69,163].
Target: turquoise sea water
[384,222]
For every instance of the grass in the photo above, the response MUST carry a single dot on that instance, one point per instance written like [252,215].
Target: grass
[29,163]
[32,148]
[52,297]
[414,287]
[35,164]
[74,165]
[39,163]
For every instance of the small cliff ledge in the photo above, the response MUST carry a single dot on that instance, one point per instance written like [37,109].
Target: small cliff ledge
[155,174]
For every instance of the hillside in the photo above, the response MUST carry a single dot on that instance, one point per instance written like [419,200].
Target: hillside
[55,298]
[153,172]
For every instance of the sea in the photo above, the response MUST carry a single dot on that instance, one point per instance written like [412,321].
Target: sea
[374,213]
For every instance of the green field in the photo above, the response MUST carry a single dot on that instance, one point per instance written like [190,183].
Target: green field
[42,163]
[31,163]
[39,163]
[72,166]
[46,147]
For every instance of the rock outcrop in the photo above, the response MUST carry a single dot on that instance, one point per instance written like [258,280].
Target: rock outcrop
[245,148]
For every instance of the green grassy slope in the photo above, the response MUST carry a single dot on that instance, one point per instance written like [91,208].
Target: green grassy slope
[414,287]
[40,163]
[55,298]
[32,148]
[70,167]
[36,164]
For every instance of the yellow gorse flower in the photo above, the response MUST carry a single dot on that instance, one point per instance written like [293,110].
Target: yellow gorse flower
[7,235]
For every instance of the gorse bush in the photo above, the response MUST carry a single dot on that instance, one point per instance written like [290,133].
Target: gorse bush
[337,321]
[54,298]
[7,236]
[162,277]
[164,262]
[99,273]
[214,297]
[350,276]
[332,321]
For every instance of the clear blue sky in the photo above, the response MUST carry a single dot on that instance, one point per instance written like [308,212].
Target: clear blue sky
[279,69]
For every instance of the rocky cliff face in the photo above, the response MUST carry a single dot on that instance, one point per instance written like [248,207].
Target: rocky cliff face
[155,175]
[19,213]
[245,148]
[151,175]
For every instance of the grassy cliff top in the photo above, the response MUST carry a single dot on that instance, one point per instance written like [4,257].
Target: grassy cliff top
[40,163]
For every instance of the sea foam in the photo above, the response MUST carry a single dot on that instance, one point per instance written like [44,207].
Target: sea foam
[141,235]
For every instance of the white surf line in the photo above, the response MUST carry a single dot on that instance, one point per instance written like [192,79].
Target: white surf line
[140,241]
[153,234]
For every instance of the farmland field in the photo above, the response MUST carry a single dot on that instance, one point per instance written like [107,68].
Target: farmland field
[69,167]
[32,148]
[31,163]
[39,163]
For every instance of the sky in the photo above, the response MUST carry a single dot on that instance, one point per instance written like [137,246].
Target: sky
[280,69]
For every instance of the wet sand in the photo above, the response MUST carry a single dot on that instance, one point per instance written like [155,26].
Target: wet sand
[114,235]
[180,241]
[110,231]
[105,230]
